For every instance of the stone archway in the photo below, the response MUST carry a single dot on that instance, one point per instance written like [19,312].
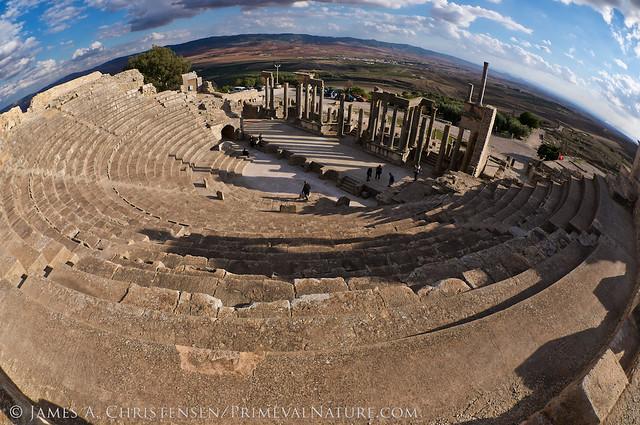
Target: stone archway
[228,132]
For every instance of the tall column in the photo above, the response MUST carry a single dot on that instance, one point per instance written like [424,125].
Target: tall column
[471,144]
[350,113]
[320,103]
[485,73]
[443,149]
[432,123]
[383,122]
[341,117]
[417,114]
[360,124]
[394,121]
[423,132]
[266,93]
[306,100]
[372,110]
[406,129]
[286,101]
[299,101]
[314,109]
[453,163]
[272,100]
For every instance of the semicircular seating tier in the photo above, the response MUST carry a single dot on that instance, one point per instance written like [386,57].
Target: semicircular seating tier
[123,285]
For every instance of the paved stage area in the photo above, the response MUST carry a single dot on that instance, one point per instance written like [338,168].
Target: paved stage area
[343,156]
[272,175]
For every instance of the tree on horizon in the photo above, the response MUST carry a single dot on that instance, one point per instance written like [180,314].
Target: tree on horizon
[161,67]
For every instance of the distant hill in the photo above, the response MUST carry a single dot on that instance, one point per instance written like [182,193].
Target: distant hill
[200,46]
[220,58]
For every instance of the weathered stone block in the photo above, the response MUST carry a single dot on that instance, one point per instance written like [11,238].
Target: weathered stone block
[319,286]
[451,286]
[477,278]
[291,209]
[589,400]
[343,201]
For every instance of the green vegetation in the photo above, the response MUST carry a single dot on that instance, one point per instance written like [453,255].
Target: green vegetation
[511,126]
[530,120]
[161,67]
[578,144]
[358,91]
[247,81]
[449,109]
[548,152]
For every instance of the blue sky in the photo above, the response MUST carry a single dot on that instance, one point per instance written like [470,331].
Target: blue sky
[587,51]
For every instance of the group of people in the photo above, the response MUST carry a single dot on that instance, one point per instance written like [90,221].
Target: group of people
[378,176]
[253,142]
[378,173]
[306,187]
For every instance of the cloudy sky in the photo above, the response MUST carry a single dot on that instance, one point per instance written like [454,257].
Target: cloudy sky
[587,51]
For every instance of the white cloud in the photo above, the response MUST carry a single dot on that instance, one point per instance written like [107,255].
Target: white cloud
[462,15]
[112,31]
[629,8]
[17,51]
[621,64]
[166,37]
[61,15]
[93,49]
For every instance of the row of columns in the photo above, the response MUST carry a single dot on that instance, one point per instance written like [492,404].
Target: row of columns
[416,131]
[308,103]
[269,97]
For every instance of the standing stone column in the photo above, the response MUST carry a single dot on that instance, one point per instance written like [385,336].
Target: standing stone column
[350,114]
[392,132]
[406,129]
[423,132]
[443,149]
[314,108]
[272,98]
[453,163]
[341,117]
[360,124]
[307,94]
[286,101]
[299,101]
[413,134]
[373,113]
[320,103]
[266,93]
[383,122]
[471,144]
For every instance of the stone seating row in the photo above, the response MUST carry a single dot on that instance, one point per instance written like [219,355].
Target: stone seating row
[589,307]
[402,312]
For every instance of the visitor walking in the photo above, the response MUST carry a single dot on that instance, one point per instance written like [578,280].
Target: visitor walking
[369,173]
[392,179]
[306,191]
[379,172]
[416,172]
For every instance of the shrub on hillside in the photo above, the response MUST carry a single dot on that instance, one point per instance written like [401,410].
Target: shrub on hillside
[161,67]
[530,120]
[548,152]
